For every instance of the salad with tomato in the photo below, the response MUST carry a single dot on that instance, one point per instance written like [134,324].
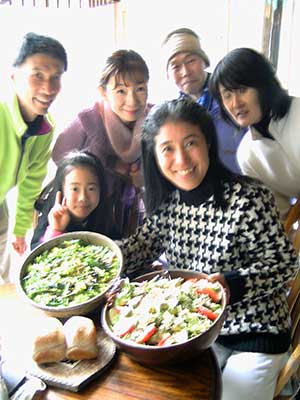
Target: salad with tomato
[163,312]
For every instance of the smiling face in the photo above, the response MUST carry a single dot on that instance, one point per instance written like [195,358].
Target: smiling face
[37,83]
[242,105]
[127,97]
[82,192]
[182,154]
[188,73]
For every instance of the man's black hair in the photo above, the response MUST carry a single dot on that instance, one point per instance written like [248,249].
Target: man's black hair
[33,44]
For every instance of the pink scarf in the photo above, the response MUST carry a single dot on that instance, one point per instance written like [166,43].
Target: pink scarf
[125,142]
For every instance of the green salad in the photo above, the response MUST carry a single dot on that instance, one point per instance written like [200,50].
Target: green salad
[164,311]
[70,274]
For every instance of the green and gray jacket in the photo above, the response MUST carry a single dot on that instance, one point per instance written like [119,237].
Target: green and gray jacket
[22,164]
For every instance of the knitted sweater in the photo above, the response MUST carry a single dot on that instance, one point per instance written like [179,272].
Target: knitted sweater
[246,243]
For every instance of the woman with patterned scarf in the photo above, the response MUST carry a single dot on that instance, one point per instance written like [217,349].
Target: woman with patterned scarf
[111,130]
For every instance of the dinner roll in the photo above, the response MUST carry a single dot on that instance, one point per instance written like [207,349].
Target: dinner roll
[49,343]
[81,338]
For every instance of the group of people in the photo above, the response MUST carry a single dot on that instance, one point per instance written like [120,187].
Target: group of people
[204,180]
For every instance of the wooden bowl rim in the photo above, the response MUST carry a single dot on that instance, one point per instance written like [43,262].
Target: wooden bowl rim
[147,348]
[92,238]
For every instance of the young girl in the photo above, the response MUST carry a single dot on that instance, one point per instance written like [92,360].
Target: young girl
[111,130]
[204,218]
[245,84]
[76,200]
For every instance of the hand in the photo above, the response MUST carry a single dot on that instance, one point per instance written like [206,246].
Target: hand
[220,278]
[59,215]
[19,244]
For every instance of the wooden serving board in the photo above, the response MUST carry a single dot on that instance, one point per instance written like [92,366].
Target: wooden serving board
[73,375]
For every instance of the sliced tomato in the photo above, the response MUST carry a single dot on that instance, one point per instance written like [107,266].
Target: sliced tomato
[208,313]
[213,294]
[164,339]
[124,326]
[147,333]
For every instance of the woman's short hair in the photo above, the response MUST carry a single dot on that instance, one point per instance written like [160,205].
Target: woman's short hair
[179,110]
[245,67]
[121,64]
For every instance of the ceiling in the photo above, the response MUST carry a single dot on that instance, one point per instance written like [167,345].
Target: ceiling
[58,3]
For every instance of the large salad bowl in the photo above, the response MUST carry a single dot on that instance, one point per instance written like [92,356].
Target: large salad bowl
[70,274]
[164,351]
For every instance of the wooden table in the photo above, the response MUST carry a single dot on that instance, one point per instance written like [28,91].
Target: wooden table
[124,379]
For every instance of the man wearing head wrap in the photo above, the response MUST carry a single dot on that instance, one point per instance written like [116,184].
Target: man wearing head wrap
[186,65]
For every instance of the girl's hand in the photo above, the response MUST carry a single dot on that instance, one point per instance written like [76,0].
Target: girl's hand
[220,278]
[59,215]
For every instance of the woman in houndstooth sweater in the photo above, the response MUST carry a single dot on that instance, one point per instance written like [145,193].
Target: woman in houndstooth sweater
[205,218]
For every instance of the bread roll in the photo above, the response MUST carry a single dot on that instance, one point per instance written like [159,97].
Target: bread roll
[49,344]
[81,338]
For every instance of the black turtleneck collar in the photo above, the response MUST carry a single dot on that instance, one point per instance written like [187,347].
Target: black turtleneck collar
[263,127]
[198,195]
[33,128]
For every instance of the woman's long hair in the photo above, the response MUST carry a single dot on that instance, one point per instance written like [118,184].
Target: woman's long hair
[98,220]
[157,188]
[246,67]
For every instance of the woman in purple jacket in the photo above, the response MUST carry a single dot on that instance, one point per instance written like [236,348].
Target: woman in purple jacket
[111,130]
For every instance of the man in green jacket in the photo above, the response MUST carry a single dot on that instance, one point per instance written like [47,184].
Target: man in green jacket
[26,132]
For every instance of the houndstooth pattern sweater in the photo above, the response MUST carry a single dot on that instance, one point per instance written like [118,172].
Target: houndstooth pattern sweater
[246,243]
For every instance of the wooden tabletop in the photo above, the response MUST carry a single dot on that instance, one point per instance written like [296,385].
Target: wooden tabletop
[124,379]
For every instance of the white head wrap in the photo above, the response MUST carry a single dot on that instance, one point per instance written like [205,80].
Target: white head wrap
[183,43]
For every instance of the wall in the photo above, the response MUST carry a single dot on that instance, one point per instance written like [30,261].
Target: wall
[88,37]
[289,55]
[221,24]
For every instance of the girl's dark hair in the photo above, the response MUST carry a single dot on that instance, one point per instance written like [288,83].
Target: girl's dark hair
[246,67]
[158,188]
[121,64]
[75,159]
